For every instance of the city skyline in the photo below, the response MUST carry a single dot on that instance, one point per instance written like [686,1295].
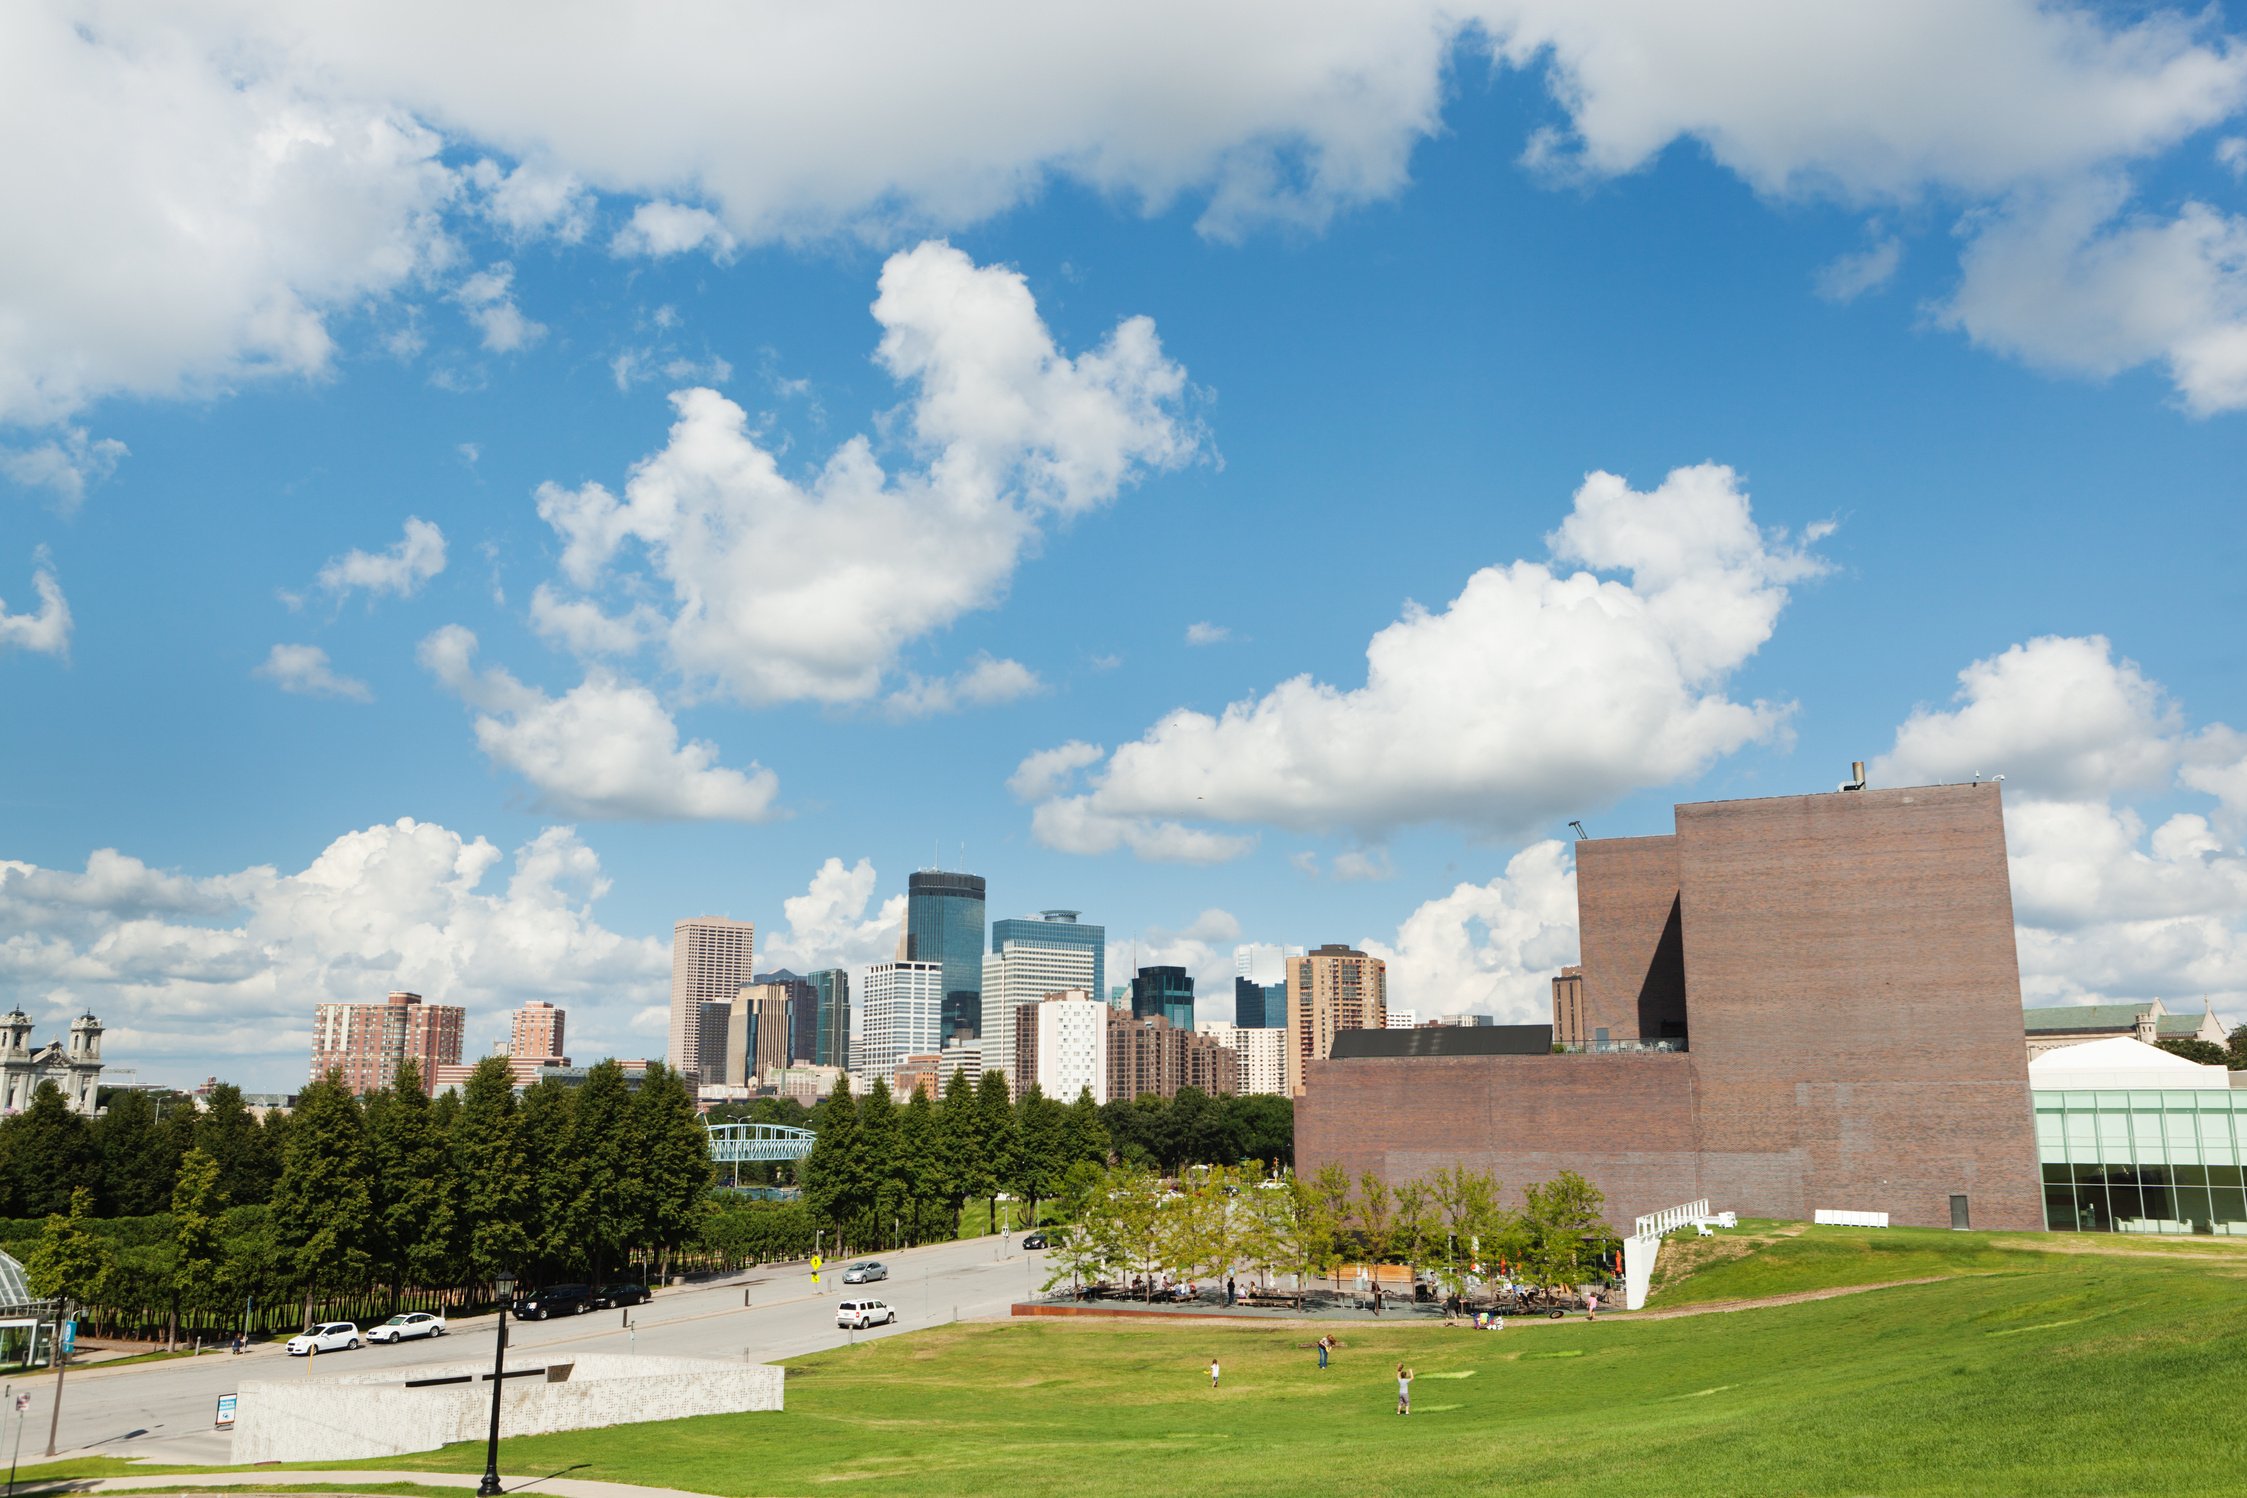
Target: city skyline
[509,528]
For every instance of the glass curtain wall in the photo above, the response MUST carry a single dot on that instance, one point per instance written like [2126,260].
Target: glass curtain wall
[2144,1162]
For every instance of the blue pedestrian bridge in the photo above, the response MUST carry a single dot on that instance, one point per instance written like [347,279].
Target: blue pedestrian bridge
[757,1143]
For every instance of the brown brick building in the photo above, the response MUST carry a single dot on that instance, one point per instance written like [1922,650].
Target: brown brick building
[1793,1003]
[366,1042]
[1151,1055]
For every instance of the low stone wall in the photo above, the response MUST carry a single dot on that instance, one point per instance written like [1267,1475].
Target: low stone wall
[354,1415]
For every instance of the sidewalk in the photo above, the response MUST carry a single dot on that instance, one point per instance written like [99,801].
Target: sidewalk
[279,1479]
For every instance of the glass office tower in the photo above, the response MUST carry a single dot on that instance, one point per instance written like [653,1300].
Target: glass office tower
[1259,1006]
[831,990]
[1167,991]
[1057,928]
[944,924]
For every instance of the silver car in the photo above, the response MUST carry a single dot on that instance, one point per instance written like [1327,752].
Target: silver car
[865,1272]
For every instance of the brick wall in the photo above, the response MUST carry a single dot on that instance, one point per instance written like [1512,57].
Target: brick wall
[1627,903]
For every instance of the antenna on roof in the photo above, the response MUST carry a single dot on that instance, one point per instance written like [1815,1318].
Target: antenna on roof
[1581,834]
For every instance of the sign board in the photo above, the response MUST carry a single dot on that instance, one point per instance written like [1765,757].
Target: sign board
[69,1336]
[225,1420]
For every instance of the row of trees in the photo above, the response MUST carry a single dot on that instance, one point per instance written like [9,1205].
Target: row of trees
[1130,1225]
[130,1156]
[2232,1054]
[380,1198]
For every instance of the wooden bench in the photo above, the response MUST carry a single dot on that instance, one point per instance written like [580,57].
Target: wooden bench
[1294,1301]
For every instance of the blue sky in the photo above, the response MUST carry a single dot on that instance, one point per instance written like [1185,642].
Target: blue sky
[1912,345]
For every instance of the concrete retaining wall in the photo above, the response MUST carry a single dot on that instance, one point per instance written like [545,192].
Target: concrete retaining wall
[373,1414]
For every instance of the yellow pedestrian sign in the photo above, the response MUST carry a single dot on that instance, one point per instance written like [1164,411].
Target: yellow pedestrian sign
[817,1263]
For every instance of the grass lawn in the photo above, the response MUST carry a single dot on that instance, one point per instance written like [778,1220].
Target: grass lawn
[2047,1366]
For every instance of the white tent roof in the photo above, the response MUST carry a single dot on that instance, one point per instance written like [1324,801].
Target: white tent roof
[2120,1062]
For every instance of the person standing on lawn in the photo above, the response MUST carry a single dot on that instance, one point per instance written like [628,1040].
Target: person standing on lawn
[1326,1344]
[1213,1373]
[1404,1390]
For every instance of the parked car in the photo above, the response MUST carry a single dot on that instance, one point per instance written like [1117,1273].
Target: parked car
[328,1336]
[610,1296]
[409,1326]
[865,1272]
[1035,1240]
[554,1300]
[860,1314]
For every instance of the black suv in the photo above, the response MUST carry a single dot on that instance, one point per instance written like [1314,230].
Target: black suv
[554,1300]
[609,1296]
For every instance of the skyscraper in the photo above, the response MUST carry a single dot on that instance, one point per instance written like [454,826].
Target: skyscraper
[711,957]
[831,1035]
[1059,928]
[1024,971]
[1332,988]
[803,1012]
[944,924]
[535,1031]
[904,1003]
[1259,1006]
[757,1034]
[1164,991]
[366,1042]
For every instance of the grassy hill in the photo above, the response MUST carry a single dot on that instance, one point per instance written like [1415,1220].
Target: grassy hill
[2039,1365]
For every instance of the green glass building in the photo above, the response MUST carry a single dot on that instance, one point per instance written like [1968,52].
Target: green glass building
[2134,1140]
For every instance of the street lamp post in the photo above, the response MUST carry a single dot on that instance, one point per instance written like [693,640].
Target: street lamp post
[489,1487]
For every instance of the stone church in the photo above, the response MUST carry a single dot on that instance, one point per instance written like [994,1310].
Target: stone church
[74,1068]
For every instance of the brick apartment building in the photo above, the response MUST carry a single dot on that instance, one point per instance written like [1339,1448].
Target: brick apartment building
[366,1042]
[1786,1004]
[1150,1056]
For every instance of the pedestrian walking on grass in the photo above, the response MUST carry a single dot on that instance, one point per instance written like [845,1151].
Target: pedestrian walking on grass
[1591,1305]
[1213,1373]
[1404,1390]
[1326,1343]
[1232,1291]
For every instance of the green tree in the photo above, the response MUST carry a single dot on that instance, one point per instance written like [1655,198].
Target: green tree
[835,1184]
[1410,1222]
[1132,1220]
[1042,1129]
[996,1139]
[547,1111]
[49,1152]
[1269,1239]
[673,1151]
[1086,1137]
[1565,1227]
[959,1145]
[136,1159]
[196,1250]
[1323,1209]
[71,1261]
[2235,1049]
[323,1205]
[601,1143]
[495,1191]
[1263,1128]
[2206,1052]
[877,1145]
[1373,1206]
[916,1174]
[417,1188]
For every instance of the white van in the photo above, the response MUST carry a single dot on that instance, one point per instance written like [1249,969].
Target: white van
[858,1314]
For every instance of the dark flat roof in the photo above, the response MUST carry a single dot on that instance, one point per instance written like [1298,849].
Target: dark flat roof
[1445,1040]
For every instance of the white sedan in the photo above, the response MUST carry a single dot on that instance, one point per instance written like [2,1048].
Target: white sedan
[404,1328]
[328,1336]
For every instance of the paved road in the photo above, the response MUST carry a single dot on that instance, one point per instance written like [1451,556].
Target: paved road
[163,1411]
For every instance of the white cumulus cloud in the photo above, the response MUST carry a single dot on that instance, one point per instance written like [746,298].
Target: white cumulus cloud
[398,570]
[196,974]
[45,631]
[2109,902]
[607,748]
[660,229]
[305,669]
[66,464]
[808,590]
[1488,948]
[488,299]
[835,923]
[1202,632]
[987,681]
[1454,721]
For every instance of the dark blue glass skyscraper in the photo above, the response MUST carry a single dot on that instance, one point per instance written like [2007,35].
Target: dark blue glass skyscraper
[1165,991]
[831,1043]
[1259,1006]
[1057,928]
[944,923]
